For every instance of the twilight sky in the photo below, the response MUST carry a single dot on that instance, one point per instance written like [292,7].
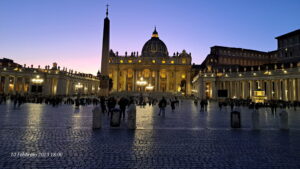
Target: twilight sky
[69,32]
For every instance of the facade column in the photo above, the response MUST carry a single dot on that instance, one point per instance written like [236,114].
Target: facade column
[125,80]
[175,80]
[167,85]
[115,74]
[150,78]
[118,79]
[157,80]
[133,80]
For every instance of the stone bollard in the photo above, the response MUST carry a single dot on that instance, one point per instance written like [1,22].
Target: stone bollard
[255,120]
[235,119]
[284,120]
[97,117]
[131,118]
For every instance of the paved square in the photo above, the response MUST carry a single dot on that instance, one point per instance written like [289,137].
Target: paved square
[42,136]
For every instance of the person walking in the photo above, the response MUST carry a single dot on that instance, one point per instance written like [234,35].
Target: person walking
[220,105]
[202,103]
[162,105]
[173,102]
[103,105]
[111,104]
[123,102]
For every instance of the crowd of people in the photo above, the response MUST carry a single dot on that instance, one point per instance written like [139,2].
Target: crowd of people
[108,104]
[272,104]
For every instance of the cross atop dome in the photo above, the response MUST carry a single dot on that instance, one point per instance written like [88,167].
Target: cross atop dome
[155,34]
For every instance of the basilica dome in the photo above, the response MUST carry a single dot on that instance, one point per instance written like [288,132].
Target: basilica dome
[155,47]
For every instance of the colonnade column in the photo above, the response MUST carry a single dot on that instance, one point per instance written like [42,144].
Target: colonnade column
[269,91]
[288,87]
[277,90]
[6,84]
[298,89]
[214,89]
[246,89]
[125,80]
[230,90]
[293,91]
[188,83]
[284,90]
[22,86]
[280,91]
[15,85]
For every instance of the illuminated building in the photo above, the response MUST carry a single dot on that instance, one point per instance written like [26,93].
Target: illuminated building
[159,71]
[15,78]
[242,72]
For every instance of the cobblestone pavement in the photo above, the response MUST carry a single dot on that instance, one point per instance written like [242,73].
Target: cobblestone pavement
[40,136]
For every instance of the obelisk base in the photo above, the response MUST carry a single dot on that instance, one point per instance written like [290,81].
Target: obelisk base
[104,86]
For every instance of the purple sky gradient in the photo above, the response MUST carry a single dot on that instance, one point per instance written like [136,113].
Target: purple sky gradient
[69,32]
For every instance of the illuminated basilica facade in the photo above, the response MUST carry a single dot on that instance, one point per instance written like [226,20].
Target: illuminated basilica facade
[154,70]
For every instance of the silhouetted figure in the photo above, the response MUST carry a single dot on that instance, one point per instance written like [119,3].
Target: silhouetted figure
[202,104]
[231,106]
[162,105]
[220,105]
[103,105]
[111,105]
[173,102]
[123,102]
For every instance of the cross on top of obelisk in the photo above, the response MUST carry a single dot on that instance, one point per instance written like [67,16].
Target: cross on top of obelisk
[107,10]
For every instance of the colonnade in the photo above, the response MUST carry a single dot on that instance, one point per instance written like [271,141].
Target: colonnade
[287,89]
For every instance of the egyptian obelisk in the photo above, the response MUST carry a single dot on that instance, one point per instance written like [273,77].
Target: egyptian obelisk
[104,81]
